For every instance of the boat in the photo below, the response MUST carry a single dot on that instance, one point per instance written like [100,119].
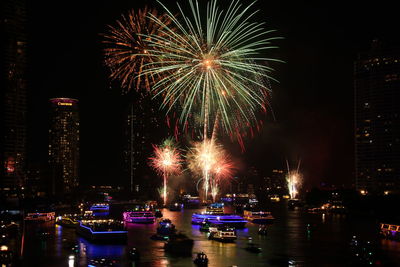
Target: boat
[166,227]
[253,248]
[175,207]
[201,259]
[223,234]
[262,230]
[134,254]
[179,244]
[139,217]
[259,217]
[158,213]
[100,207]
[205,226]
[102,230]
[40,216]
[226,219]
[390,231]
[68,220]
[215,208]
[6,255]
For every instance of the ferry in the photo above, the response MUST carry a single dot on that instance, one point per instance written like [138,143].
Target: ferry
[390,231]
[139,217]
[100,207]
[224,234]
[226,219]
[40,216]
[102,230]
[259,217]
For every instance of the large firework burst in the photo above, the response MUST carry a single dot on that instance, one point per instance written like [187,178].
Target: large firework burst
[166,161]
[126,50]
[211,64]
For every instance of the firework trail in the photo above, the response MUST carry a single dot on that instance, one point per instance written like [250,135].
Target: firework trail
[166,161]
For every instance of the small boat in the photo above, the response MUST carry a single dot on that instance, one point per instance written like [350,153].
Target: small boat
[263,230]
[134,254]
[175,207]
[179,244]
[139,217]
[40,216]
[201,259]
[390,231]
[259,217]
[223,234]
[68,220]
[205,226]
[6,255]
[166,228]
[158,213]
[253,248]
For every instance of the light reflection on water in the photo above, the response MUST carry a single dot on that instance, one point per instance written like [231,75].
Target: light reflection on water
[289,243]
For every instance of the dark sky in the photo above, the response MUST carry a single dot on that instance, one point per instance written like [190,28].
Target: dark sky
[312,103]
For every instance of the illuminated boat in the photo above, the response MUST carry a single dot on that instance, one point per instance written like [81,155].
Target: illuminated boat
[215,208]
[260,217]
[390,231]
[139,217]
[166,227]
[231,220]
[100,207]
[102,230]
[223,234]
[175,207]
[40,216]
[68,220]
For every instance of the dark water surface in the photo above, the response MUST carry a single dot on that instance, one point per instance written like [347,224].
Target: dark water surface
[288,243]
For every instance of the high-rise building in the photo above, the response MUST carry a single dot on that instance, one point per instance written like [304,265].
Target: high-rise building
[142,122]
[13,93]
[377,120]
[64,145]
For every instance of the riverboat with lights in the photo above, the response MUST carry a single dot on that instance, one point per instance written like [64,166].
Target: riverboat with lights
[258,217]
[100,207]
[102,230]
[390,231]
[40,216]
[222,234]
[139,217]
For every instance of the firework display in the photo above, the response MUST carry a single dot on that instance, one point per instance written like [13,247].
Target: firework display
[166,161]
[211,64]
[209,160]
[293,180]
[126,50]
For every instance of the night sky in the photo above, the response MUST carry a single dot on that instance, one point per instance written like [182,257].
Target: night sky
[313,103]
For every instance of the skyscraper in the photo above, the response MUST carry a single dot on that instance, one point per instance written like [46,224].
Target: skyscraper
[13,93]
[142,122]
[377,121]
[64,145]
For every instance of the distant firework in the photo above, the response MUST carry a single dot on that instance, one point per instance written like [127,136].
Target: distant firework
[293,179]
[126,51]
[166,161]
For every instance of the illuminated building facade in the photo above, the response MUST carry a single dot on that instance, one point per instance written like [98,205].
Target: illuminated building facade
[64,145]
[13,92]
[377,121]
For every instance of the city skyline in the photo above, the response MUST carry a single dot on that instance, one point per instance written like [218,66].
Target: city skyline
[316,100]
